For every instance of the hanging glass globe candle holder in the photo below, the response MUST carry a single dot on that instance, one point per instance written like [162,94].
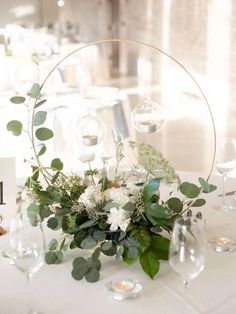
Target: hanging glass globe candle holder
[148,117]
[90,130]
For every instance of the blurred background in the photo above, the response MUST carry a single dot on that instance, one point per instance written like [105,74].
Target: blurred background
[110,79]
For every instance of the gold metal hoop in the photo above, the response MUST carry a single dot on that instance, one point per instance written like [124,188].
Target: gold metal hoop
[135,42]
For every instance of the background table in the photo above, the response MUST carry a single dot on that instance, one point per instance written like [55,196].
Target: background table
[55,291]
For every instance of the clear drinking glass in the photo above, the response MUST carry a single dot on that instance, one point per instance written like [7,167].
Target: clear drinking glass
[27,247]
[225,162]
[187,251]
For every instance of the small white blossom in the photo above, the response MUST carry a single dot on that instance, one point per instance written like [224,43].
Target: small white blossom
[118,217]
[92,196]
[87,157]
[53,207]
[117,195]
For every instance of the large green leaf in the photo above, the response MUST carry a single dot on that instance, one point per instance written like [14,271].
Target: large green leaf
[150,189]
[39,118]
[149,262]
[44,134]
[34,91]
[80,264]
[17,100]
[207,188]
[15,127]
[92,275]
[159,242]
[157,211]
[189,189]
[88,243]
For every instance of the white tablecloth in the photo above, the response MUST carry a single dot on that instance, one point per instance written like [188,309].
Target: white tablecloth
[55,291]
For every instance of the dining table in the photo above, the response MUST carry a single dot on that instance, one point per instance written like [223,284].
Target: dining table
[56,292]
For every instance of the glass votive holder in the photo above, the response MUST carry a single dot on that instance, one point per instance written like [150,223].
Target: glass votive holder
[124,289]
[221,244]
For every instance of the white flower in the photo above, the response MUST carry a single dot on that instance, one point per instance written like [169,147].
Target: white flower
[53,207]
[87,157]
[117,195]
[133,192]
[118,217]
[92,196]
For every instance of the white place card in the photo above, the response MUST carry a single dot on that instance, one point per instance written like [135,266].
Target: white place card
[7,188]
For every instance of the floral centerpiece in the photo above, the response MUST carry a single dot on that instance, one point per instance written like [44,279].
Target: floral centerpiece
[114,213]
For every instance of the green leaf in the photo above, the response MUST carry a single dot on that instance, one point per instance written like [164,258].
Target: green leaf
[52,223]
[106,245]
[92,275]
[40,103]
[55,177]
[149,263]
[88,243]
[42,150]
[15,127]
[198,203]
[39,118]
[17,100]
[34,91]
[80,264]
[207,188]
[111,252]
[132,252]
[50,257]
[175,204]
[88,224]
[33,213]
[120,252]
[77,275]
[99,235]
[59,257]
[96,254]
[52,245]
[159,242]
[157,211]
[150,189]
[79,237]
[44,134]
[189,189]
[94,263]
[57,164]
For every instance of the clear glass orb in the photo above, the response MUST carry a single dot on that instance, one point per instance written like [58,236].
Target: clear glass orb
[148,117]
[90,130]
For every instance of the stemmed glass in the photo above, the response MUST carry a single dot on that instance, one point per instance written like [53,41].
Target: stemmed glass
[187,250]
[27,247]
[225,162]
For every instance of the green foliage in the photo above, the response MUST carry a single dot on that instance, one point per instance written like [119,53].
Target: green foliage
[43,134]
[189,189]
[15,127]
[149,262]
[39,118]
[17,100]
[34,91]
[40,103]
[207,188]
[57,164]
[42,150]
[150,189]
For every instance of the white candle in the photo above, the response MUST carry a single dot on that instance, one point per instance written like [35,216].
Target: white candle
[123,286]
[222,244]
[90,140]
[148,126]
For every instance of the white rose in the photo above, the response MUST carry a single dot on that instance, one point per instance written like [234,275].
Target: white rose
[87,157]
[118,217]
[92,196]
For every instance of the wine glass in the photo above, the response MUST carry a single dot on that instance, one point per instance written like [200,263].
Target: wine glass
[225,162]
[27,247]
[187,250]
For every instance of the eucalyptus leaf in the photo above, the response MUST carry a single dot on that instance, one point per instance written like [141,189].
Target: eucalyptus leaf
[88,224]
[150,189]
[77,275]
[60,256]
[99,235]
[34,91]
[207,188]
[17,100]
[43,134]
[94,263]
[198,203]
[189,189]
[39,118]
[50,257]
[92,275]
[157,211]
[57,164]
[88,243]
[52,223]
[81,264]
[120,252]
[175,204]
[15,127]
[42,150]
[106,245]
[40,103]
[53,244]
[132,252]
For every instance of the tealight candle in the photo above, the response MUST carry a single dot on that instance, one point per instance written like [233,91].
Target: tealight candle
[90,140]
[148,126]
[222,244]
[123,286]
[124,289]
